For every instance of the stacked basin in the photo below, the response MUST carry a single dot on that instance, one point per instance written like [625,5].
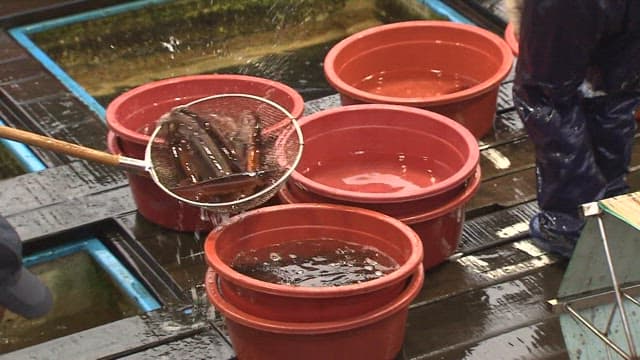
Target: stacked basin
[267,320]
[132,117]
[413,164]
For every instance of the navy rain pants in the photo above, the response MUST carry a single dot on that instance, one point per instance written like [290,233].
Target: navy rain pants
[577,87]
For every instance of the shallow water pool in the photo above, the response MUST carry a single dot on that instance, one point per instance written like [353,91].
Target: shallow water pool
[143,41]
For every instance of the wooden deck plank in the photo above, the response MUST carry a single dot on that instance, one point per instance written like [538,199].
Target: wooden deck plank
[496,228]
[508,175]
[207,345]
[9,51]
[55,185]
[543,340]
[504,192]
[34,88]
[506,159]
[121,337]
[80,125]
[14,13]
[71,214]
[483,269]
[474,316]
[179,253]
[18,67]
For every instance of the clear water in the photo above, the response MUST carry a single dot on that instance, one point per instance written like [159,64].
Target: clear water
[414,83]
[283,40]
[9,165]
[370,172]
[314,263]
[79,287]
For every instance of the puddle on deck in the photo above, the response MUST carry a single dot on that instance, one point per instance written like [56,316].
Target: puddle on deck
[284,41]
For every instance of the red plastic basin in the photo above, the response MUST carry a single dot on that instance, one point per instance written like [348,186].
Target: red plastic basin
[377,153]
[439,226]
[136,111]
[299,222]
[450,68]
[156,205]
[374,335]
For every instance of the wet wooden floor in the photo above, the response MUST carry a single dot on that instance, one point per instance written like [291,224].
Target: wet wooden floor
[487,303]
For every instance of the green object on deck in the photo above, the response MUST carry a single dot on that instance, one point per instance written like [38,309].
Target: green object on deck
[604,271]
[624,207]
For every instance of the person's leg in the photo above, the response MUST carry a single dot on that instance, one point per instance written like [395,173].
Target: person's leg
[567,176]
[612,126]
[557,43]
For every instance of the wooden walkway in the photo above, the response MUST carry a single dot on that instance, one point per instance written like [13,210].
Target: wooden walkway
[487,303]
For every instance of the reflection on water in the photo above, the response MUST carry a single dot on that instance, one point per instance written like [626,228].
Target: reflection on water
[320,262]
[84,297]
[414,83]
[375,172]
[283,40]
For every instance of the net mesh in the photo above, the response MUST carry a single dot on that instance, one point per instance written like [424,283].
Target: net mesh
[228,152]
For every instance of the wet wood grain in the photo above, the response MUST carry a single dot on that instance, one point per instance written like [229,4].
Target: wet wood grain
[474,316]
[124,337]
[205,344]
[543,340]
[33,88]
[482,269]
[496,228]
[508,158]
[72,214]
[504,192]
[15,13]
[179,253]
[516,184]
[19,66]
[10,50]
[57,185]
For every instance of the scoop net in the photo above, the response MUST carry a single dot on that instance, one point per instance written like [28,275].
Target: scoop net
[226,153]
